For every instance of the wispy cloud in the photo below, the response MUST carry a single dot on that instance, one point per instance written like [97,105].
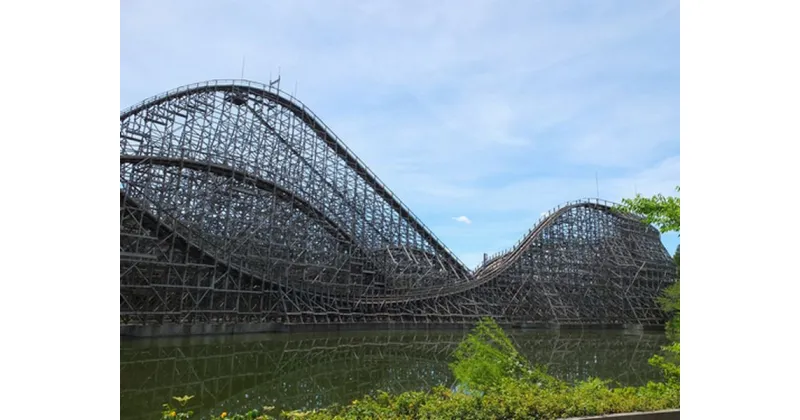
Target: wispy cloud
[463,219]
[461,107]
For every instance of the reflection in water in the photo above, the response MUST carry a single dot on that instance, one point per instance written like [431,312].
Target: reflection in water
[304,371]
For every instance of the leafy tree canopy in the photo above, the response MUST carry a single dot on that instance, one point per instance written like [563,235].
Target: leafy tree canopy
[663,212]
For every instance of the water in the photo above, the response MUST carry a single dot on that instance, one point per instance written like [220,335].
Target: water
[304,371]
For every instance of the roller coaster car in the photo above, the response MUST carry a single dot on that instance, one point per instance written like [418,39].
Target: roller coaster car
[236,99]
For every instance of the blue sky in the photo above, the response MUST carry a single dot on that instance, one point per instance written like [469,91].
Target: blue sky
[488,111]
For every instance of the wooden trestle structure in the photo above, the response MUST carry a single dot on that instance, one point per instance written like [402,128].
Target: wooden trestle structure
[239,205]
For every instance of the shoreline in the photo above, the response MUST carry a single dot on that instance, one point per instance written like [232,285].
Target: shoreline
[138,331]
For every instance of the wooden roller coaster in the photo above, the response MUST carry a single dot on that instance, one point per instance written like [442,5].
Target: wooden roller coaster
[238,205]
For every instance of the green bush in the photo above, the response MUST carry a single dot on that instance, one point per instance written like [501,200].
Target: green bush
[510,399]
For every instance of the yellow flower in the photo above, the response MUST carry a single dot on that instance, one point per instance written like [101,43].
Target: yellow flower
[223,415]
[172,414]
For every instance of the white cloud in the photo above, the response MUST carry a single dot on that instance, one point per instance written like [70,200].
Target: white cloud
[463,219]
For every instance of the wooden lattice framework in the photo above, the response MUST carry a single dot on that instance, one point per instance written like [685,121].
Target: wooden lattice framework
[238,205]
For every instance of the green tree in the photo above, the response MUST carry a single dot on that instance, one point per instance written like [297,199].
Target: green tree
[487,357]
[670,302]
[665,214]
[658,210]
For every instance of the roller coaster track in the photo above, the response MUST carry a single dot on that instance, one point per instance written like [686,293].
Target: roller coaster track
[320,239]
[323,132]
[282,193]
[164,232]
[489,270]
[504,259]
[483,274]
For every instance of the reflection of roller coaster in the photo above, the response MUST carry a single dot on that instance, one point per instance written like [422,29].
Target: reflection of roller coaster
[238,205]
[294,372]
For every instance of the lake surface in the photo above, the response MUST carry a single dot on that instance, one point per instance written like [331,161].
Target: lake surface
[304,371]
